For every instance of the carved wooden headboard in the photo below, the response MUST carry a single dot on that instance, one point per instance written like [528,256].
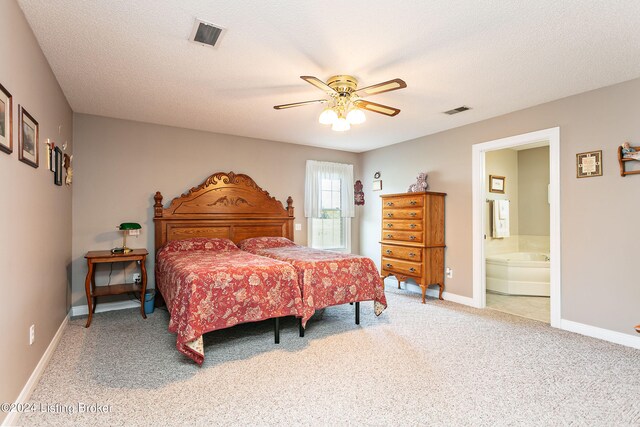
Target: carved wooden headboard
[224,205]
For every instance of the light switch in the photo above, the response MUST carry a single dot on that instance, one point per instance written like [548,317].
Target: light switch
[298,227]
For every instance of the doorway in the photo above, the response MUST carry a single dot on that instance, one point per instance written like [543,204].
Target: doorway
[484,223]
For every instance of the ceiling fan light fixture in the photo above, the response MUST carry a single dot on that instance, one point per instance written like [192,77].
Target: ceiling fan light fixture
[328,116]
[356,116]
[340,125]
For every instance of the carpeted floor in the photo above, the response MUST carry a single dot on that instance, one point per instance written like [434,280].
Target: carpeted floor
[434,364]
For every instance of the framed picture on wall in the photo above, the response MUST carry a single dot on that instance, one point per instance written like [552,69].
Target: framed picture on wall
[28,135]
[6,120]
[57,160]
[589,164]
[496,184]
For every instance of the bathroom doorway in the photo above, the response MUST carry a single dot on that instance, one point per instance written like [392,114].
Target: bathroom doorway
[516,225]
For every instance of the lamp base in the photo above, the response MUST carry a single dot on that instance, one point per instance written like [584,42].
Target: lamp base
[121,250]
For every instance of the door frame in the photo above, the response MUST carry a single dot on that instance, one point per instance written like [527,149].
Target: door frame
[479,183]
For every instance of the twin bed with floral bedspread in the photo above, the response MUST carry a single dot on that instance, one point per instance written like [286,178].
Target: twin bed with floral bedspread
[209,283]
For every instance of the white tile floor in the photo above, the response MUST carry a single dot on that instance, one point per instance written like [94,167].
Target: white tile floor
[536,308]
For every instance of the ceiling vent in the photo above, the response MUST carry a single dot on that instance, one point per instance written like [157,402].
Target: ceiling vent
[457,110]
[205,33]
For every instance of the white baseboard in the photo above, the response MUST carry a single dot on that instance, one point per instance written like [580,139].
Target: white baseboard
[603,334]
[435,292]
[25,394]
[83,310]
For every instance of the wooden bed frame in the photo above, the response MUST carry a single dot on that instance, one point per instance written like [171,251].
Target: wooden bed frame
[225,205]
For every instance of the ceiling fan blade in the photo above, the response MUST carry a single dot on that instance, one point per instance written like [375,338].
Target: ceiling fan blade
[299,104]
[388,86]
[377,108]
[319,84]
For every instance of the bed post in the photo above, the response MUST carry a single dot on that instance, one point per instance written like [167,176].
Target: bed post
[276,330]
[291,218]
[157,213]
[290,206]
[157,207]
[357,312]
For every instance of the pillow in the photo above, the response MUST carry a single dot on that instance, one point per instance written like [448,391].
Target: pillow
[256,243]
[199,244]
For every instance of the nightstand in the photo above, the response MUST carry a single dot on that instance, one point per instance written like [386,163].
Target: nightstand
[106,257]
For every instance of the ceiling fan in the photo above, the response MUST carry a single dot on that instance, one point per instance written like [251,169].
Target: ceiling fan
[345,102]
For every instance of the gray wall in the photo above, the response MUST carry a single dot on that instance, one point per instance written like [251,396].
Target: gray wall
[597,288]
[35,218]
[119,165]
[533,182]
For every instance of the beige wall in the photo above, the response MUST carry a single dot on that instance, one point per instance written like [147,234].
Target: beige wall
[502,163]
[120,164]
[597,288]
[533,206]
[35,218]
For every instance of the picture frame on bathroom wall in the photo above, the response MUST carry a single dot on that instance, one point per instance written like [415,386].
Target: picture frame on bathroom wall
[496,184]
[28,136]
[589,164]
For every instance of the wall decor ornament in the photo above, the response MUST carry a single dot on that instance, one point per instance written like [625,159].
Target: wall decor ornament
[377,185]
[628,155]
[376,175]
[68,169]
[57,158]
[358,194]
[496,184]
[6,121]
[28,137]
[420,184]
[589,164]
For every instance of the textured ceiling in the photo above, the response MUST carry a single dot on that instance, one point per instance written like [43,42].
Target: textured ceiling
[132,60]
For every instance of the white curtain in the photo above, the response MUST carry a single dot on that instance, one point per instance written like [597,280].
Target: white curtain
[316,172]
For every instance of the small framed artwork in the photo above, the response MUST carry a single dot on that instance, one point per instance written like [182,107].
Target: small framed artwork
[496,184]
[57,159]
[6,120]
[377,185]
[589,164]
[28,135]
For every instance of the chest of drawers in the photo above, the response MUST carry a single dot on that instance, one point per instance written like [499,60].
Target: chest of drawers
[412,244]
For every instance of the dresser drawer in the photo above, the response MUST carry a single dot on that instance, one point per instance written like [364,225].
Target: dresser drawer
[401,214]
[403,202]
[404,267]
[404,236]
[401,224]
[402,252]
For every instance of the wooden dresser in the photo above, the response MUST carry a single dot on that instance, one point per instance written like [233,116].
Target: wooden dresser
[413,238]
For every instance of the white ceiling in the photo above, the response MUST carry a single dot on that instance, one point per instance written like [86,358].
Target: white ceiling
[131,59]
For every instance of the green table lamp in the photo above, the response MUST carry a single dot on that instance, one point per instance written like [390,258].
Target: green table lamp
[125,227]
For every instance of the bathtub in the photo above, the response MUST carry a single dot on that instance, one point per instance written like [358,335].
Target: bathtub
[519,273]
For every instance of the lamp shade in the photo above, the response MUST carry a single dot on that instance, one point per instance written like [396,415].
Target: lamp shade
[130,226]
[328,116]
[356,116]
[341,125]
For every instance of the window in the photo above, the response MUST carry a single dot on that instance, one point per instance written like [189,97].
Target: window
[329,205]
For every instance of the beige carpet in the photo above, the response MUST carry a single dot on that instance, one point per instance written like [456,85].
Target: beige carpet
[434,364]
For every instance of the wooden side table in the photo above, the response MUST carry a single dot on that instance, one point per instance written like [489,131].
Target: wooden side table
[102,257]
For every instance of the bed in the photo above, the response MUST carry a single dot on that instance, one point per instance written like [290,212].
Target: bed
[326,278]
[208,283]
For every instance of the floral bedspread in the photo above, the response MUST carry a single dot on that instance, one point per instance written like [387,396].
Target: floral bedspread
[210,284]
[326,278]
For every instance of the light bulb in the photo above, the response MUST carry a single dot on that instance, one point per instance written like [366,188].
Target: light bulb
[356,116]
[340,125]
[328,116]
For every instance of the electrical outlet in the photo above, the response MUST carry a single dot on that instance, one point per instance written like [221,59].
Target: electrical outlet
[449,273]
[32,334]
[137,278]
[298,227]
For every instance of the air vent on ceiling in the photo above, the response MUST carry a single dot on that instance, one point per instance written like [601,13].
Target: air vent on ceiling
[457,110]
[205,33]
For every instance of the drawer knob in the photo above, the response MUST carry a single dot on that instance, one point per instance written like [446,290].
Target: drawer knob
[389,236]
[389,265]
[411,254]
[412,214]
[389,225]
[389,252]
[413,270]
[412,237]
[389,203]
[389,214]
[413,202]
[412,226]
